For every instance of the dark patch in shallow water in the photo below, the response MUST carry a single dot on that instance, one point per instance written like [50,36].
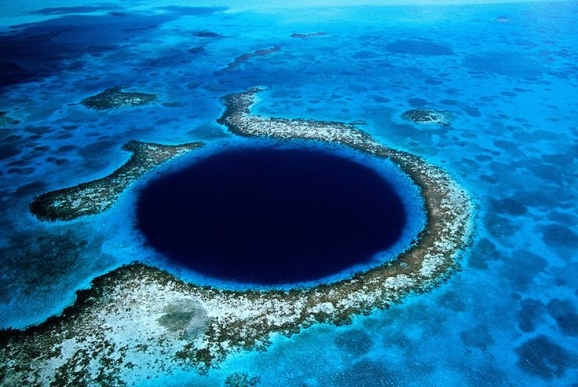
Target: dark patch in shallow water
[513,64]
[558,235]
[33,51]
[522,268]
[478,337]
[8,150]
[564,312]
[271,216]
[484,252]
[418,47]
[12,73]
[72,10]
[30,189]
[365,373]
[530,315]
[417,102]
[509,206]
[544,358]
[354,342]
[207,34]
[49,261]
[499,226]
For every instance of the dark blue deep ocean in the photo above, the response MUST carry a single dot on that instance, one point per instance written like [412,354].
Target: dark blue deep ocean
[508,73]
[271,216]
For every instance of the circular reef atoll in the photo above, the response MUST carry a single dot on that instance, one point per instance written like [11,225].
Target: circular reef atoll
[138,322]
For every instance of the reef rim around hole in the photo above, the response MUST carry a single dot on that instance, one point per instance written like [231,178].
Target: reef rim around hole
[165,323]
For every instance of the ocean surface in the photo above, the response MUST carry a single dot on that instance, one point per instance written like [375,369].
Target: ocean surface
[507,74]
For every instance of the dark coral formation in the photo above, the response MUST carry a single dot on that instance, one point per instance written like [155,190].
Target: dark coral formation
[564,312]
[239,379]
[5,120]
[246,57]
[305,36]
[99,195]
[418,47]
[428,116]
[196,50]
[542,357]
[48,258]
[207,34]
[12,73]
[115,98]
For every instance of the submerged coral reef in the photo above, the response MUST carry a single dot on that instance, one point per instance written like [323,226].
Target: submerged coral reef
[115,98]
[428,116]
[250,55]
[6,120]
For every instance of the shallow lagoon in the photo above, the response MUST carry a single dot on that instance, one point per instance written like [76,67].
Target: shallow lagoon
[506,72]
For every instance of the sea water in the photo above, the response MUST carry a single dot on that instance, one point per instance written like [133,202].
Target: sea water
[507,73]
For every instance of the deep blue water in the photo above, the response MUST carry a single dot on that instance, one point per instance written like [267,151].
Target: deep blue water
[271,216]
[507,73]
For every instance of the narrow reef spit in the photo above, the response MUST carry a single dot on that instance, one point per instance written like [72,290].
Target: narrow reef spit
[250,55]
[138,322]
[99,195]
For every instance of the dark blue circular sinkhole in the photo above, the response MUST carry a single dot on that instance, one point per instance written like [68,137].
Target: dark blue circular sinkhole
[271,215]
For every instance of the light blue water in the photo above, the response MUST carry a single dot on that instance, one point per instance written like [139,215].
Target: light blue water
[508,73]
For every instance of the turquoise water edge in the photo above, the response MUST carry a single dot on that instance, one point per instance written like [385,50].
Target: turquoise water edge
[505,74]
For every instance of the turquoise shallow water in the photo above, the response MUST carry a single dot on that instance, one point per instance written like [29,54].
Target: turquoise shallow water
[506,72]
